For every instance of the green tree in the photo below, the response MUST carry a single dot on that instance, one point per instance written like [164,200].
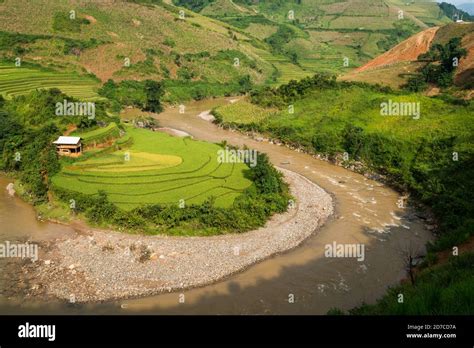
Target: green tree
[445,59]
[267,179]
[245,84]
[154,92]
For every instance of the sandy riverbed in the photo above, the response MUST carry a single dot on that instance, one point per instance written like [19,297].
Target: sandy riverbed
[102,265]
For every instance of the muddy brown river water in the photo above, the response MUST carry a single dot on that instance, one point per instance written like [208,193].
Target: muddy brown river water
[366,212]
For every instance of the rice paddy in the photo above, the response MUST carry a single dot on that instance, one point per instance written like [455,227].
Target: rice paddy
[157,169]
[16,81]
[100,134]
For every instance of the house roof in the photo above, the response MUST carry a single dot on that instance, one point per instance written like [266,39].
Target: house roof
[67,141]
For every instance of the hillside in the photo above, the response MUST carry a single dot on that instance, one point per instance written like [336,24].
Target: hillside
[302,81]
[456,13]
[407,51]
[126,41]
[324,35]
[395,66]
[147,39]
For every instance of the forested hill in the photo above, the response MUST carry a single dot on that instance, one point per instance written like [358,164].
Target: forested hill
[455,13]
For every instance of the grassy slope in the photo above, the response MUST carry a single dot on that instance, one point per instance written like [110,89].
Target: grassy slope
[153,36]
[394,75]
[331,110]
[128,30]
[162,169]
[99,135]
[244,112]
[333,29]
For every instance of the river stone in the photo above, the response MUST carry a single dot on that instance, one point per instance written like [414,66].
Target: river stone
[10,189]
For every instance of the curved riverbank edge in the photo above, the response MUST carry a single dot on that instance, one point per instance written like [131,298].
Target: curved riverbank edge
[97,265]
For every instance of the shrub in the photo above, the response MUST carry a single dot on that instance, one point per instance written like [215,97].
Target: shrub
[63,22]
[169,42]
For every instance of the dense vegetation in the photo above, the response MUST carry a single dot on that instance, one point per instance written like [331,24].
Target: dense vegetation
[28,129]
[29,153]
[145,95]
[278,40]
[194,5]
[442,63]
[432,157]
[334,117]
[148,95]
[243,22]
[64,22]
[17,43]
[443,290]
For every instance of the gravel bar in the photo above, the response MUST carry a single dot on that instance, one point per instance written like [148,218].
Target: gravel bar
[97,265]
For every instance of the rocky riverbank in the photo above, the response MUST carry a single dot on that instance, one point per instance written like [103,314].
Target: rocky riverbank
[97,265]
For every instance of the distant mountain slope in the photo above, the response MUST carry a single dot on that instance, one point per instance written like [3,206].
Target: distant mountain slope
[455,13]
[395,66]
[228,40]
[105,36]
[320,13]
[326,35]
[465,75]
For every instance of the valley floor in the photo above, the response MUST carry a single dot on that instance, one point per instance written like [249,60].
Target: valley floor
[89,265]
[97,265]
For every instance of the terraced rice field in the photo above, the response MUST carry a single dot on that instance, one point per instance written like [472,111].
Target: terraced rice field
[157,169]
[287,70]
[16,81]
[99,135]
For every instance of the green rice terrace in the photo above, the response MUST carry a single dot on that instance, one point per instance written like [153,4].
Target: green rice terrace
[157,169]
[16,81]
[99,135]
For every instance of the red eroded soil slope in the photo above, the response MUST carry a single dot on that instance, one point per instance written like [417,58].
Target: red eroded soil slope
[408,50]
[465,72]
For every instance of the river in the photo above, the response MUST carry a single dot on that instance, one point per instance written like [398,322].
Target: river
[366,213]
